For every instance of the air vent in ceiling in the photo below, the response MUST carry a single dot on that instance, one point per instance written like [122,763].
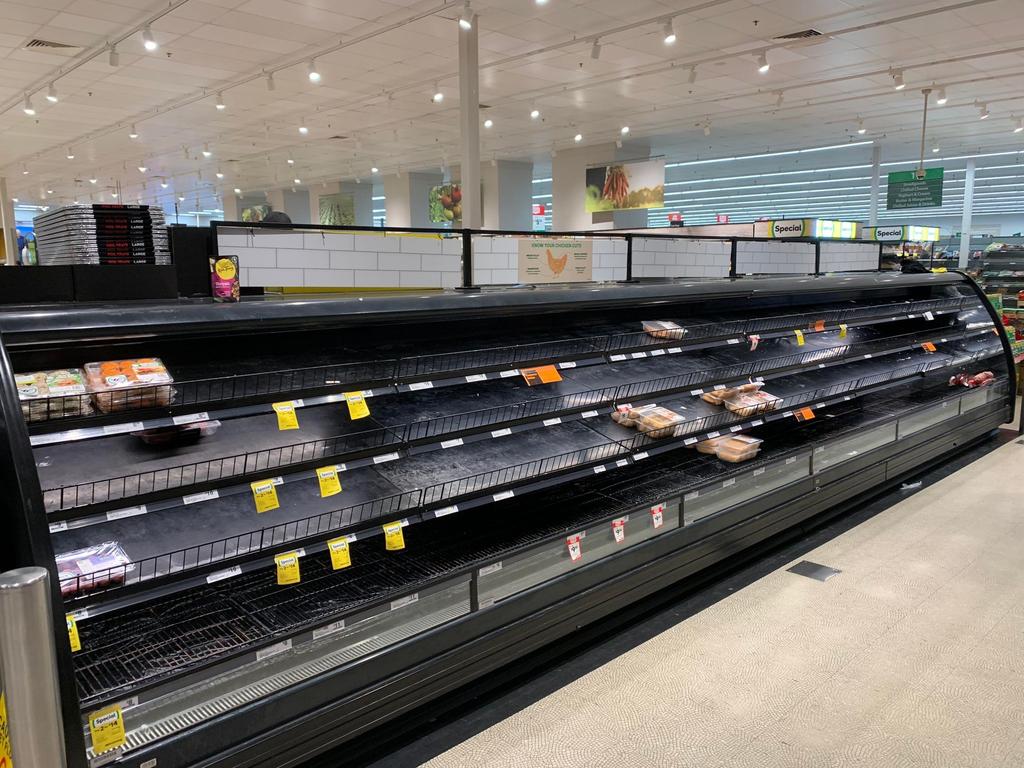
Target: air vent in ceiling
[36,43]
[801,35]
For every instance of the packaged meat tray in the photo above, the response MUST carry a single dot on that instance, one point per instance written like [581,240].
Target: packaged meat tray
[718,396]
[737,448]
[664,329]
[119,385]
[53,394]
[95,567]
[747,404]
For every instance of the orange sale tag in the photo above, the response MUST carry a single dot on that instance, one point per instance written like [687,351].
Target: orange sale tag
[819,325]
[804,414]
[544,374]
[928,347]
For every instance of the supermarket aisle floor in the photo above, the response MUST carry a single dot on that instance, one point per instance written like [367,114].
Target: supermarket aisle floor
[912,656]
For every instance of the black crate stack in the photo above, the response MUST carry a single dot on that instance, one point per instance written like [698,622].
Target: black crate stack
[102,234]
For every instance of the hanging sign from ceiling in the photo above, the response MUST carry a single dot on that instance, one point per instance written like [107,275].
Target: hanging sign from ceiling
[906,190]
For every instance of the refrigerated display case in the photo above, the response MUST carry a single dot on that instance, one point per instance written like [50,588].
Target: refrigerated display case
[274,525]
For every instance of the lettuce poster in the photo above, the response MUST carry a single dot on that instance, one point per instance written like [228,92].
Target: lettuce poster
[626,186]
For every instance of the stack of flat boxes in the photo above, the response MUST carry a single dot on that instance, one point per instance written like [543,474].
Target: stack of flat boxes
[774,257]
[343,260]
[495,259]
[664,257]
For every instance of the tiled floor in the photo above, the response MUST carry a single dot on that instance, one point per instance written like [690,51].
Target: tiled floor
[913,656]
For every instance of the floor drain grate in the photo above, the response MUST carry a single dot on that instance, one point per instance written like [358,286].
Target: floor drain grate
[813,570]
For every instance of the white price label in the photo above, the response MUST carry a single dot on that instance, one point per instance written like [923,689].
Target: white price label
[658,515]
[674,350]
[191,418]
[228,573]
[712,435]
[58,527]
[637,355]
[330,629]
[445,511]
[386,458]
[508,374]
[118,514]
[552,422]
[501,432]
[929,316]
[690,441]
[404,601]
[616,358]
[621,463]
[791,460]
[733,341]
[503,495]
[691,496]
[567,364]
[451,443]
[657,352]
[758,471]
[195,498]
[487,570]
[589,414]
[421,385]
[575,548]
[619,530]
[696,392]
[476,377]
[736,428]
[639,456]
[598,470]
[274,650]
[729,482]
[117,429]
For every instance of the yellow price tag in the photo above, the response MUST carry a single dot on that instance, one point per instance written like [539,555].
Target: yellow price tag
[341,557]
[6,760]
[264,493]
[330,483]
[106,728]
[357,407]
[76,643]
[842,330]
[799,337]
[287,418]
[393,537]
[288,568]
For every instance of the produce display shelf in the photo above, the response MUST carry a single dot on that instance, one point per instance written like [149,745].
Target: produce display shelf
[375,377]
[605,444]
[441,431]
[177,634]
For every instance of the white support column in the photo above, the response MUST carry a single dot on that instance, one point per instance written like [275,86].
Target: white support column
[8,231]
[876,183]
[965,222]
[229,204]
[469,123]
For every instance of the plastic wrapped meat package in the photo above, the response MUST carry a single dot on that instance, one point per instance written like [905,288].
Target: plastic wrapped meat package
[95,567]
[663,329]
[748,404]
[651,420]
[737,448]
[120,385]
[719,396]
[53,394]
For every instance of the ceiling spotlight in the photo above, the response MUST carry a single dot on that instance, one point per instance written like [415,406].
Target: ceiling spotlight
[51,94]
[534,113]
[1019,126]
[935,149]
[940,97]
[271,85]
[133,134]
[113,195]
[148,42]
[220,175]
[624,130]
[71,154]
[314,76]
[762,63]
[93,181]
[983,111]
[303,130]
[707,127]
[49,191]
[143,169]
[779,98]
[114,58]
[219,104]
[296,181]
[238,191]
[618,143]
[206,150]
[861,129]
[181,198]
[24,170]
[692,77]
[670,32]
[375,169]
[438,96]
[578,138]
[542,2]
[15,200]
[466,17]
[595,50]
[163,184]
[27,108]
[897,80]
[291,161]
[488,123]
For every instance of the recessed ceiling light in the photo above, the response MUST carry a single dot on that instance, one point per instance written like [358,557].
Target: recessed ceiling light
[375,169]
[143,169]
[27,108]
[291,161]
[303,130]
[238,191]
[466,17]
[312,72]
[296,181]
[219,104]
[542,2]
[93,181]
[181,198]
[488,123]
[163,184]
[578,138]
[51,94]
[24,170]
[148,41]
[534,113]
[940,97]
[670,32]
[624,130]
[113,195]
[220,175]
[15,200]
[49,191]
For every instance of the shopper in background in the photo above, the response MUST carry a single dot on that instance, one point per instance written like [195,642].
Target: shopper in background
[909,266]
[277,217]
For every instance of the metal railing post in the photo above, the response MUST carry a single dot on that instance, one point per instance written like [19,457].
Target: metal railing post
[28,669]
[467,258]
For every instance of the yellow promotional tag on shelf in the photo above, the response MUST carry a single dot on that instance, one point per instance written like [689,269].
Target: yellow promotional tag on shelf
[330,483]
[106,728]
[264,493]
[842,330]
[799,337]
[341,557]
[76,643]
[6,760]
[287,418]
[288,568]
[357,407]
[393,537]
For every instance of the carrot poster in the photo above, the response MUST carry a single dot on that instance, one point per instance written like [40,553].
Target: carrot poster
[626,186]
[555,260]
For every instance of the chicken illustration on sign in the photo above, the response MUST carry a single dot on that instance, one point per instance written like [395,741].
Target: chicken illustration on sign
[555,260]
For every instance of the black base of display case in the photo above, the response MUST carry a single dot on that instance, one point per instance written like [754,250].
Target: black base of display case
[349,703]
[94,282]
[36,285]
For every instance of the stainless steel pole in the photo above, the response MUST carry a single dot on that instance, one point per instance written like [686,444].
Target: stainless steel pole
[28,668]
[469,124]
[965,221]
[876,161]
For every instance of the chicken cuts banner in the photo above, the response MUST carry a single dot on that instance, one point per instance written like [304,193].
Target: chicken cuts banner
[626,186]
[555,260]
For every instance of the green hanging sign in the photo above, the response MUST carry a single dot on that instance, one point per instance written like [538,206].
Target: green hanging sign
[906,190]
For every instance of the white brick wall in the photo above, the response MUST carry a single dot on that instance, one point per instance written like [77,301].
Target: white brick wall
[842,257]
[680,257]
[774,257]
[495,257]
[343,260]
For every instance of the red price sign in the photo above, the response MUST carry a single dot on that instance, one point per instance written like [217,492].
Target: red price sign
[722,218]
[538,209]
[675,218]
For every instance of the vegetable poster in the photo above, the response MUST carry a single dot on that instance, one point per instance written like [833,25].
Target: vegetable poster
[555,260]
[446,204]
[626,186]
